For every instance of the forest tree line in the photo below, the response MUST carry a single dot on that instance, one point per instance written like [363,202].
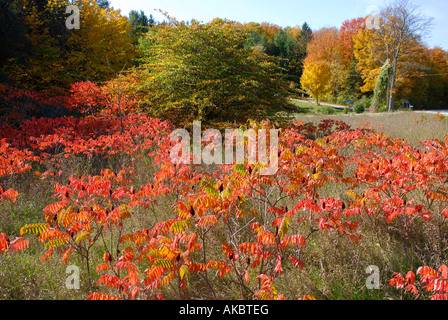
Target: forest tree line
[239,68]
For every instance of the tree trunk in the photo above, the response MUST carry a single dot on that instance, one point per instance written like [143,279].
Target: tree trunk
[392,102]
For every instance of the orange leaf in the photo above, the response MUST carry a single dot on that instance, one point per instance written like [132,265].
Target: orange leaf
[410,277]
[247,276]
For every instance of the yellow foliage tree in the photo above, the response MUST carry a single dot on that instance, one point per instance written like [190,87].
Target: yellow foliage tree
[321,63]
[316,77]
[367,56]
[43,67]
[102,43]
[56,56]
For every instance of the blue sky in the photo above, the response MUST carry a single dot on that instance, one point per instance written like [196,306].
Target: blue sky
[318,13]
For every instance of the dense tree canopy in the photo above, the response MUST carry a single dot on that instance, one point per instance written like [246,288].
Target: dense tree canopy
[205,71]
[200,61]
[43,54]
[399,40]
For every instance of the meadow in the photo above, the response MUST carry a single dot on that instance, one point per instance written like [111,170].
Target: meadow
[348,194]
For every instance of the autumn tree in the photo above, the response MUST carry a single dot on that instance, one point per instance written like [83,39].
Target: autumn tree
[316,78]
[323,45]
[347,79]
[205,71]
[429,87]
[102,41]
[321,63]
[347,32]
[45,55]
[41,65]
[269,29]
[438,63]
[401,30]
[406,26]
[278,42]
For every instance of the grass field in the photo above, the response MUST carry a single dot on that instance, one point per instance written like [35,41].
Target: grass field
[412,126]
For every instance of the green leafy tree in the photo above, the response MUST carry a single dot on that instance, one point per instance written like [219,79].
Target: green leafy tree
[205,72]
[285,46]
[354,82]
[297,61]
[255,39]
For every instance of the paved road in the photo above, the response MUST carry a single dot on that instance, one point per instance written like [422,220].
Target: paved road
[444,112]
[324,104]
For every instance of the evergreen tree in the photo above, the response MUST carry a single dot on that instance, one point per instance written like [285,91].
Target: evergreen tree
[14,46]
[300,52]
[103,4]
[140,25]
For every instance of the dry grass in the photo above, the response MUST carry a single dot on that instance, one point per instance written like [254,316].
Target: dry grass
[412,126]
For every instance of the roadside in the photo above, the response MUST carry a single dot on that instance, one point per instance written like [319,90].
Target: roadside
[412,126]
[337,106]
[442,112]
